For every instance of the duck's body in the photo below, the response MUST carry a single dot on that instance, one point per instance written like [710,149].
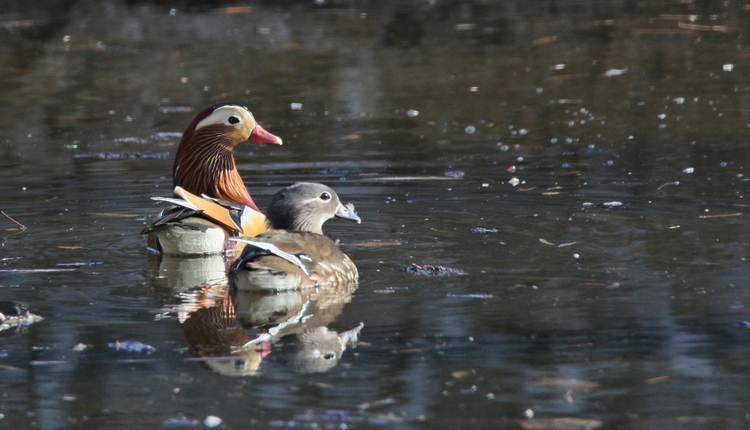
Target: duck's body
[296,254]
[212,202]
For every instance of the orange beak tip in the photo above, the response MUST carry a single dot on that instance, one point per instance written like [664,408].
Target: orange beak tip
[261,135]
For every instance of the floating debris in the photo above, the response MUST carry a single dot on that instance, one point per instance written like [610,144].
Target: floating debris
[233,10]
[175,109]
[80,263]
[15,314]
[544,41]
[514,181]
[389,290]
[612,204]
[132,346]
[295,106]
[614,72]
[412,113]
[21,226]
[339,171]
[546,242]
[454,174]
[484,230]
[568,383]
[35,270]
[80,347]
[719,215]
[124,155]
[431,270]
[168,135]
[379,243]
[383,402]
[212,421]
[181,421]
[559,423]
[470,296]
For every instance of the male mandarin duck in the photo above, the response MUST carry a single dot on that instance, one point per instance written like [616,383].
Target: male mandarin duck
[296,254]
[212,202]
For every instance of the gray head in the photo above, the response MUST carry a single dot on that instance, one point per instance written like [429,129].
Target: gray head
[305,206]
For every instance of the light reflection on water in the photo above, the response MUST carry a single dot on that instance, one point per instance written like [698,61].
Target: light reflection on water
[630,315]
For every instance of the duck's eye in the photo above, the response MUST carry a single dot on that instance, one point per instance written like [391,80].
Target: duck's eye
[325,196]
[233,120]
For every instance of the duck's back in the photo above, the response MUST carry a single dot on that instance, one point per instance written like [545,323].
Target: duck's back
[326,264]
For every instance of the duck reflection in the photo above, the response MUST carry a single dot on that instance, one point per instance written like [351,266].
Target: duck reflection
[181,273]
[210,324]
[234,331]
[297,322]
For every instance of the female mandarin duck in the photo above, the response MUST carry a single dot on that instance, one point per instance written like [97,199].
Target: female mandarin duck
[296,254]
[212,201]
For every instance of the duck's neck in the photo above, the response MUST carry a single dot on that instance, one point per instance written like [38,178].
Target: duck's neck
[207,167]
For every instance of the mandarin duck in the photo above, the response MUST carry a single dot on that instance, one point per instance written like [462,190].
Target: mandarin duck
[210,198]
[295,254]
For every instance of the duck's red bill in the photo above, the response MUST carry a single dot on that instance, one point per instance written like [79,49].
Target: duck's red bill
[262,136]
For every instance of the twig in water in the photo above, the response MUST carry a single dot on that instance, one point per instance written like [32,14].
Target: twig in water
[719,215]
[23,227]
[666,184]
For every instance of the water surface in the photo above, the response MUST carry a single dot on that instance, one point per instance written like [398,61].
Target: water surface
[599,149]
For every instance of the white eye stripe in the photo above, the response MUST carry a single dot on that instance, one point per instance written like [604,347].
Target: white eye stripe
[223,114]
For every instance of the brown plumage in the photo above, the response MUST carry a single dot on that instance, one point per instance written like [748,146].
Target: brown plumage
[296,254]
[204,166]
[204,163]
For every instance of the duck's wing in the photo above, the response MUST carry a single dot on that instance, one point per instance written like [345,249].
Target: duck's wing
[260,247]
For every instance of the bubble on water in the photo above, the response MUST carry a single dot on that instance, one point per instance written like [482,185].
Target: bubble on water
[514,181]
[723,164]
[565,165]
[539,90]
[296,106]
[554,139]
[662,126]
[568,140]
[528,413]
[679,100]
[592,146]
[727,67]
[173,12]
[519,158]
[503,148]
[739,175]
[688,170]
[523,131]
[576,256]
[412,113]
[571,123]
[661,116]
[610,162]
[470,129]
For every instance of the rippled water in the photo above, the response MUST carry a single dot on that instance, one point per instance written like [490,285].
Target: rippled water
[581,163]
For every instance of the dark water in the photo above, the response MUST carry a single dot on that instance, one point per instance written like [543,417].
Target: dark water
[608,289]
